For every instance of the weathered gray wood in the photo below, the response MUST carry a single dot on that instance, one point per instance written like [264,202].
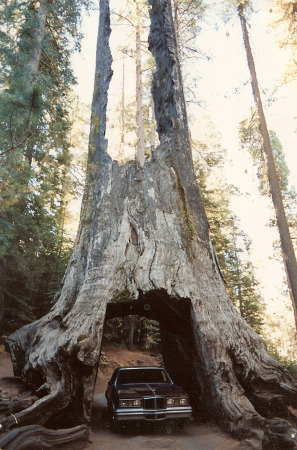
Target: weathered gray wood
[34,437]
[143,245]
[13,406]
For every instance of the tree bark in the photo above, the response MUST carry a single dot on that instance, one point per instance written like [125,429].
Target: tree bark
[143,248]
[37,437]
[2,291]
[38,37]
[122,116]
[288,253]
[153,128]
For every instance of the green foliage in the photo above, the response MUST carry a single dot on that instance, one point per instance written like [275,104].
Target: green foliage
[187,16]
[36,182]
[230,243]
[145,336]
[151,334]
[113,330]
[289,364]
[242,288]
[285,22]
[251,141]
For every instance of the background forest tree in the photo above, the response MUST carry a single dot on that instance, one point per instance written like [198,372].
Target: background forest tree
[36,152]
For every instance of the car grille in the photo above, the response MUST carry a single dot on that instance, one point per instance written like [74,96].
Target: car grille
[154,403]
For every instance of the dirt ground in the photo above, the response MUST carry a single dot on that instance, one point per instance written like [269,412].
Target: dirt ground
[115,355]
[200,437]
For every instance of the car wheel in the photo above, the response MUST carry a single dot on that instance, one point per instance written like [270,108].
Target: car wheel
[181,424]
[109,410]
[169,427]
[114,424]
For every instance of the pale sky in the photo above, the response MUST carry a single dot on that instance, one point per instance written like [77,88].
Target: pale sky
[224,87]
[228,99]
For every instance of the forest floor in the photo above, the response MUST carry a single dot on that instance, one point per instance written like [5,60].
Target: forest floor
[200,437]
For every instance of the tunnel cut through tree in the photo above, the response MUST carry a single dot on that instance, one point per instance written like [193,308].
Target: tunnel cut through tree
[143,237]
[177,335]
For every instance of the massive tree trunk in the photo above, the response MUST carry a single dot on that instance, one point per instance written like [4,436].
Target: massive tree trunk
[288,253]
[143,248]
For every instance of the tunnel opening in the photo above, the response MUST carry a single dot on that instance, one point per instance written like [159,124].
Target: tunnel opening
[160,326]
[133,332]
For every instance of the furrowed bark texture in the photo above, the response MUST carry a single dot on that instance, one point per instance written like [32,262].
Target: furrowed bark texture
[34,436]
[143,248]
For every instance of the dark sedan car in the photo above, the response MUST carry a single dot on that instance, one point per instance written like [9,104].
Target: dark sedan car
[145,394]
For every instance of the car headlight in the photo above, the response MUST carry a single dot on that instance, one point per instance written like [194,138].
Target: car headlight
[177,401]
[129,403]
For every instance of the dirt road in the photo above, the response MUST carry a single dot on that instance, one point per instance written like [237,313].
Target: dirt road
[202,437]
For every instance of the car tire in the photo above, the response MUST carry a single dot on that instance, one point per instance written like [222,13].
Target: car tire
[111,417]
[181,424]
[169,427]
[114,424]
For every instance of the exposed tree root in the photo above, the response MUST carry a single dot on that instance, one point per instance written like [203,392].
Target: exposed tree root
[37,413]
[36,437]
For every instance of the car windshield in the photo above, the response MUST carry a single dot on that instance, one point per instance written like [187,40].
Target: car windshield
[127,376]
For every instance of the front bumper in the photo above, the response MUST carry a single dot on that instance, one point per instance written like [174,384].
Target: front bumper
[181,412]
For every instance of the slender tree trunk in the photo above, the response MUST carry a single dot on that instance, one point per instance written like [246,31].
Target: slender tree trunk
[37,27]
[143,248]
[122,117]
[177,27]
[240,301]
[288,253]
[2,292]
[34,60]
[38,37]
[130,324]
[62,217]
[153,128]
[139,94]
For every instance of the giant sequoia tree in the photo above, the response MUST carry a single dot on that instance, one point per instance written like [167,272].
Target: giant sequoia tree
[143,248]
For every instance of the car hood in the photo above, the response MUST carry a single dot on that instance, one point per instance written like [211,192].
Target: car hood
[148,389]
